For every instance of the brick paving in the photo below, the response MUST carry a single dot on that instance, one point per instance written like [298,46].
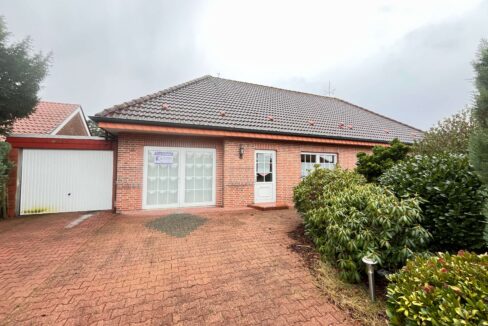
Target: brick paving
[112,269]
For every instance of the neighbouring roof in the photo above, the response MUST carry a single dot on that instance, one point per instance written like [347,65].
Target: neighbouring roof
[217,103]
[47,116]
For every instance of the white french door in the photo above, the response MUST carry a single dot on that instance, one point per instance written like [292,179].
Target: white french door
[265,176]
[178,177]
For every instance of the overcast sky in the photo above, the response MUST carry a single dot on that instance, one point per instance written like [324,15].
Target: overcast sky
[410,60]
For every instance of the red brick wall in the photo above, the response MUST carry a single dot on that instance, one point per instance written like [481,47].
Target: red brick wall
[130,164]
[239,173]
[235,176]
[12,182]
[74,127]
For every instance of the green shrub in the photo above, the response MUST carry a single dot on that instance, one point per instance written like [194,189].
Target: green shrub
[441,290]
[450,135]
[374,165]
[365,219]
[452,198]
[308,194]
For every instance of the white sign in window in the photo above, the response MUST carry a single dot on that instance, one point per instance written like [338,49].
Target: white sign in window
[163,157]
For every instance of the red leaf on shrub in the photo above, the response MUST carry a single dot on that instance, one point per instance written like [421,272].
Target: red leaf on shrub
[428,288]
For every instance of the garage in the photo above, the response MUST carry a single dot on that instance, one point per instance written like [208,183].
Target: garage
[65,181]
[62,174]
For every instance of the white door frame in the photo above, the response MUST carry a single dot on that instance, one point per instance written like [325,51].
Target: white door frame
[273,156]
[181,177]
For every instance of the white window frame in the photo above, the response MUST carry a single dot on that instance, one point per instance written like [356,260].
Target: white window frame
[181,177]
[317,160]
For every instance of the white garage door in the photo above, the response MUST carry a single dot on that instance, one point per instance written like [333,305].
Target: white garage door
[65,181]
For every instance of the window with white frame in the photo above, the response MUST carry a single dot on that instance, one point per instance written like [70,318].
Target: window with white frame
[325,160]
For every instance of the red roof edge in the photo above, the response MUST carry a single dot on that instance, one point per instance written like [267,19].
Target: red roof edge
[85,143]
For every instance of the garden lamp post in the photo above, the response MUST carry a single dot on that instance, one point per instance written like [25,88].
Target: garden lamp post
[370,271]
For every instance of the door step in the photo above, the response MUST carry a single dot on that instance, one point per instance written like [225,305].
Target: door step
[269,206]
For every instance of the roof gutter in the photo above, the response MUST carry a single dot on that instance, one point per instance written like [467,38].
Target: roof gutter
[372,142]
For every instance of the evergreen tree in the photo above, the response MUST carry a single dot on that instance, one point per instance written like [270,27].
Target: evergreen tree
[374,165]
[479,139]
[20,76]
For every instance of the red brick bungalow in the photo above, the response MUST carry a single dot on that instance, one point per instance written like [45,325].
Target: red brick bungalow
[218,142]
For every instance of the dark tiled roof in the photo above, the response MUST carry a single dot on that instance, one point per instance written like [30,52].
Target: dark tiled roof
[217,103]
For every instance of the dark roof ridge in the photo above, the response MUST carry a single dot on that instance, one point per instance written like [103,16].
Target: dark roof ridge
[150,96]
[323,96]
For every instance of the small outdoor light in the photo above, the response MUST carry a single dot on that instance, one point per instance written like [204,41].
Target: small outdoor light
[370,270]
[241,151]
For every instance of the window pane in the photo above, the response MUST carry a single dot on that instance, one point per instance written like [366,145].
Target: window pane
[207,158]
[198,196]
[267,165]
[259,157]
[163,197]
[268,177]
[207,195]
[308,162]
[172,196]
[152,197]
[189,197]
[152,170]
[326,158]
[199,181]
[162,177]
[207,182]
[208,169]
[259,177]
[198,158]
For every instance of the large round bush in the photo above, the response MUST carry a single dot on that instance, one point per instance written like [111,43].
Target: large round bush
[365,220]
[452,198]
[441,290]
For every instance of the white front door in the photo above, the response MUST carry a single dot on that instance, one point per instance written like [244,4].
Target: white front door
[265,176]
[178,177]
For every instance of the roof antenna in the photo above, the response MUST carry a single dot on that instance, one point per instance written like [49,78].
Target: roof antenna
[331,91]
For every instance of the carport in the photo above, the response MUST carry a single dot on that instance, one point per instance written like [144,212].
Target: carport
[55,174]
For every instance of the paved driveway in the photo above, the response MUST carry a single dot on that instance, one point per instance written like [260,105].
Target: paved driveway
[234,268]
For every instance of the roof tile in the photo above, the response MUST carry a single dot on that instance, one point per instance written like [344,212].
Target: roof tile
[47,116]
[257,108]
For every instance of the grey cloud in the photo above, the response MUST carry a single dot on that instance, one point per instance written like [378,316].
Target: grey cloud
[424,77]
[108,52]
